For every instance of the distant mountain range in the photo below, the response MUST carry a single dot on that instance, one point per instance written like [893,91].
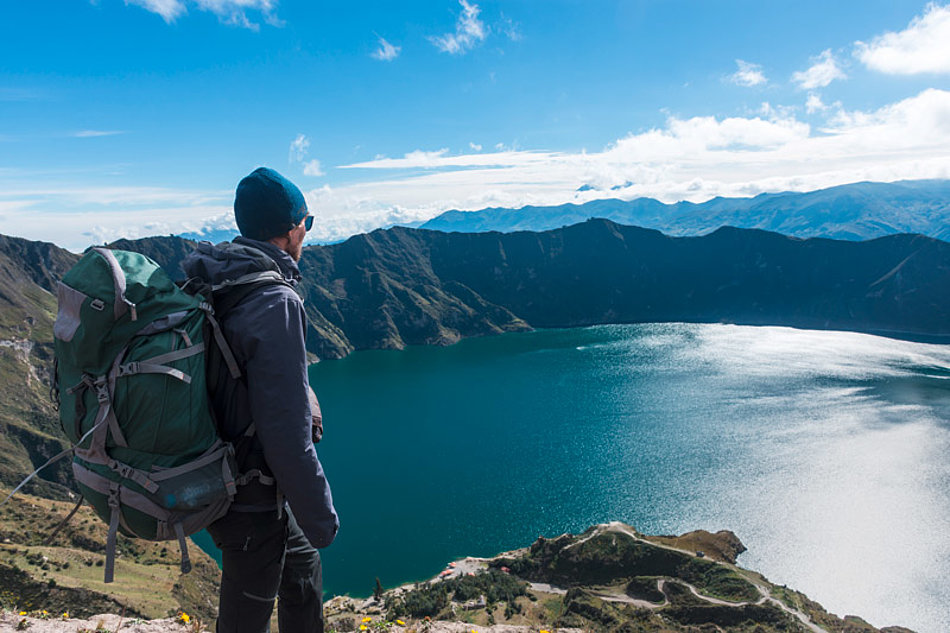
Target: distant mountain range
[214,236]
[858,211]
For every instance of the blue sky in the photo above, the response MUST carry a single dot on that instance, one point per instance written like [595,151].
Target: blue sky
[139,117]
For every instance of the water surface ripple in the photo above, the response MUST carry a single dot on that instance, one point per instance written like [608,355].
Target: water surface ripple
[825,452]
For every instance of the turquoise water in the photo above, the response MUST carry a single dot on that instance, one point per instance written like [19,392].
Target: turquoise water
[825,452]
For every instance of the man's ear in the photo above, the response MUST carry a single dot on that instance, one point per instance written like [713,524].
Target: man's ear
[281,241]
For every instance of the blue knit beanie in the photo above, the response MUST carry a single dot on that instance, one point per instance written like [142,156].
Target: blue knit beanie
[267,205]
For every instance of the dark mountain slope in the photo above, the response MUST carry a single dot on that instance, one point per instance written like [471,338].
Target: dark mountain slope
[399,286]
[600,272]
[29,428]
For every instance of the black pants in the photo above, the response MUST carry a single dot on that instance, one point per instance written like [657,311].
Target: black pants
[263,558]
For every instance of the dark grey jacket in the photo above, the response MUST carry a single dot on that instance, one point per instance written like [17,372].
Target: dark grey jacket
[266,333]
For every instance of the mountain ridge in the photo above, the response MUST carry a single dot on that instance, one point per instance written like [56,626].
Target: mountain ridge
[855,211]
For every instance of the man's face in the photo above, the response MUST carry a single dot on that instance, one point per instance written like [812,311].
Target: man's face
[295,246]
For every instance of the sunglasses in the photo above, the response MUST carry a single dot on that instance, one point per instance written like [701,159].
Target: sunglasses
[308,222]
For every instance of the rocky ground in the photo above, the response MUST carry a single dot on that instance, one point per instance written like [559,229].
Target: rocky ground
[60,623]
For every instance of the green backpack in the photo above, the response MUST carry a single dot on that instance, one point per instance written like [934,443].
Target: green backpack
[131,353]
[134,357]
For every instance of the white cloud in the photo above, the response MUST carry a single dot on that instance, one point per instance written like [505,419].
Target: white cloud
[510,29]
[814,104]
[748,74]
[298,149]
[95,133]
[687,158]
[417,158]
[475,146]
[312,168]
[228,11]
[386,51]
[469,31]
[823,71]
[76,216]
[168,9]
[923,47]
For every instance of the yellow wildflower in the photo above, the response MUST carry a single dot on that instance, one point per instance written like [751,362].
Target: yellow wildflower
[367,619]
[543,631]
[22,612]
[400,623]
[362,627]
[185,617]
[65,615]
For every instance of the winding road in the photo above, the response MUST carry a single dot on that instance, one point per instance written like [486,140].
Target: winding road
[661,586]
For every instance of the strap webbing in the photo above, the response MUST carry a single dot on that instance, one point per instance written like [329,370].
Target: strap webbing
[183,333]
[171,357]
[183,544]
[131,498]
[227,476]
[51,460]
[213,454]
[222,343]
[113,532]
[250,278]
[142,367]
[255,474]
[156,365]
[118,278]
[117,435]
[62,524]
[133,474]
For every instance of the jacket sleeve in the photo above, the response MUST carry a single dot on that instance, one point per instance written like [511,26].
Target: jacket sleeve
[278,393]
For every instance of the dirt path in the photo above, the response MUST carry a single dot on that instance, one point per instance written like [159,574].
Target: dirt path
[763,591]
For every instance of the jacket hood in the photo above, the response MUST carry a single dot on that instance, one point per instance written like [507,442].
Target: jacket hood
[215,263]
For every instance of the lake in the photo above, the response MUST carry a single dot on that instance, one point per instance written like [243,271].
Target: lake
[825,452]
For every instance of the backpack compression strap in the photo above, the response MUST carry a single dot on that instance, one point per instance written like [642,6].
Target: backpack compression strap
[122,304]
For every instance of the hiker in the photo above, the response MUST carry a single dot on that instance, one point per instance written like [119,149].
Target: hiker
[269,550]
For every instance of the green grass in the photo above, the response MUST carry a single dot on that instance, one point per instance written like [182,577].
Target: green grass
[148,583]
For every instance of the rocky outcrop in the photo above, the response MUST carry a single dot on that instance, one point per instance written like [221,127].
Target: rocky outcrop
[609,578]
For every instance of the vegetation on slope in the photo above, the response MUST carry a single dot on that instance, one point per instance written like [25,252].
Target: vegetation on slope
[610,578]
[65,573]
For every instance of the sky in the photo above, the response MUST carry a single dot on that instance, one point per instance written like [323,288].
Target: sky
[138,117]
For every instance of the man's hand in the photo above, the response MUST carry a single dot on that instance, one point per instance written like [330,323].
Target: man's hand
[316,431]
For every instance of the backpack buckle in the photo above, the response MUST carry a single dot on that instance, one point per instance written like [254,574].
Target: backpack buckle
[114,499]
[97,304]
[128,369]
[102,392]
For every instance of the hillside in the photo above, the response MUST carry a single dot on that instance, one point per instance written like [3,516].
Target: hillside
[64,574]
[29,428]
[397,287]
[610,578]
[857,211]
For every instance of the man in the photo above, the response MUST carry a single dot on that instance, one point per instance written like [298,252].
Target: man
[268,550]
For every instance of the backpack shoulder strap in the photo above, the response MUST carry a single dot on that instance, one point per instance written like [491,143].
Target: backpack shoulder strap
[231,292]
